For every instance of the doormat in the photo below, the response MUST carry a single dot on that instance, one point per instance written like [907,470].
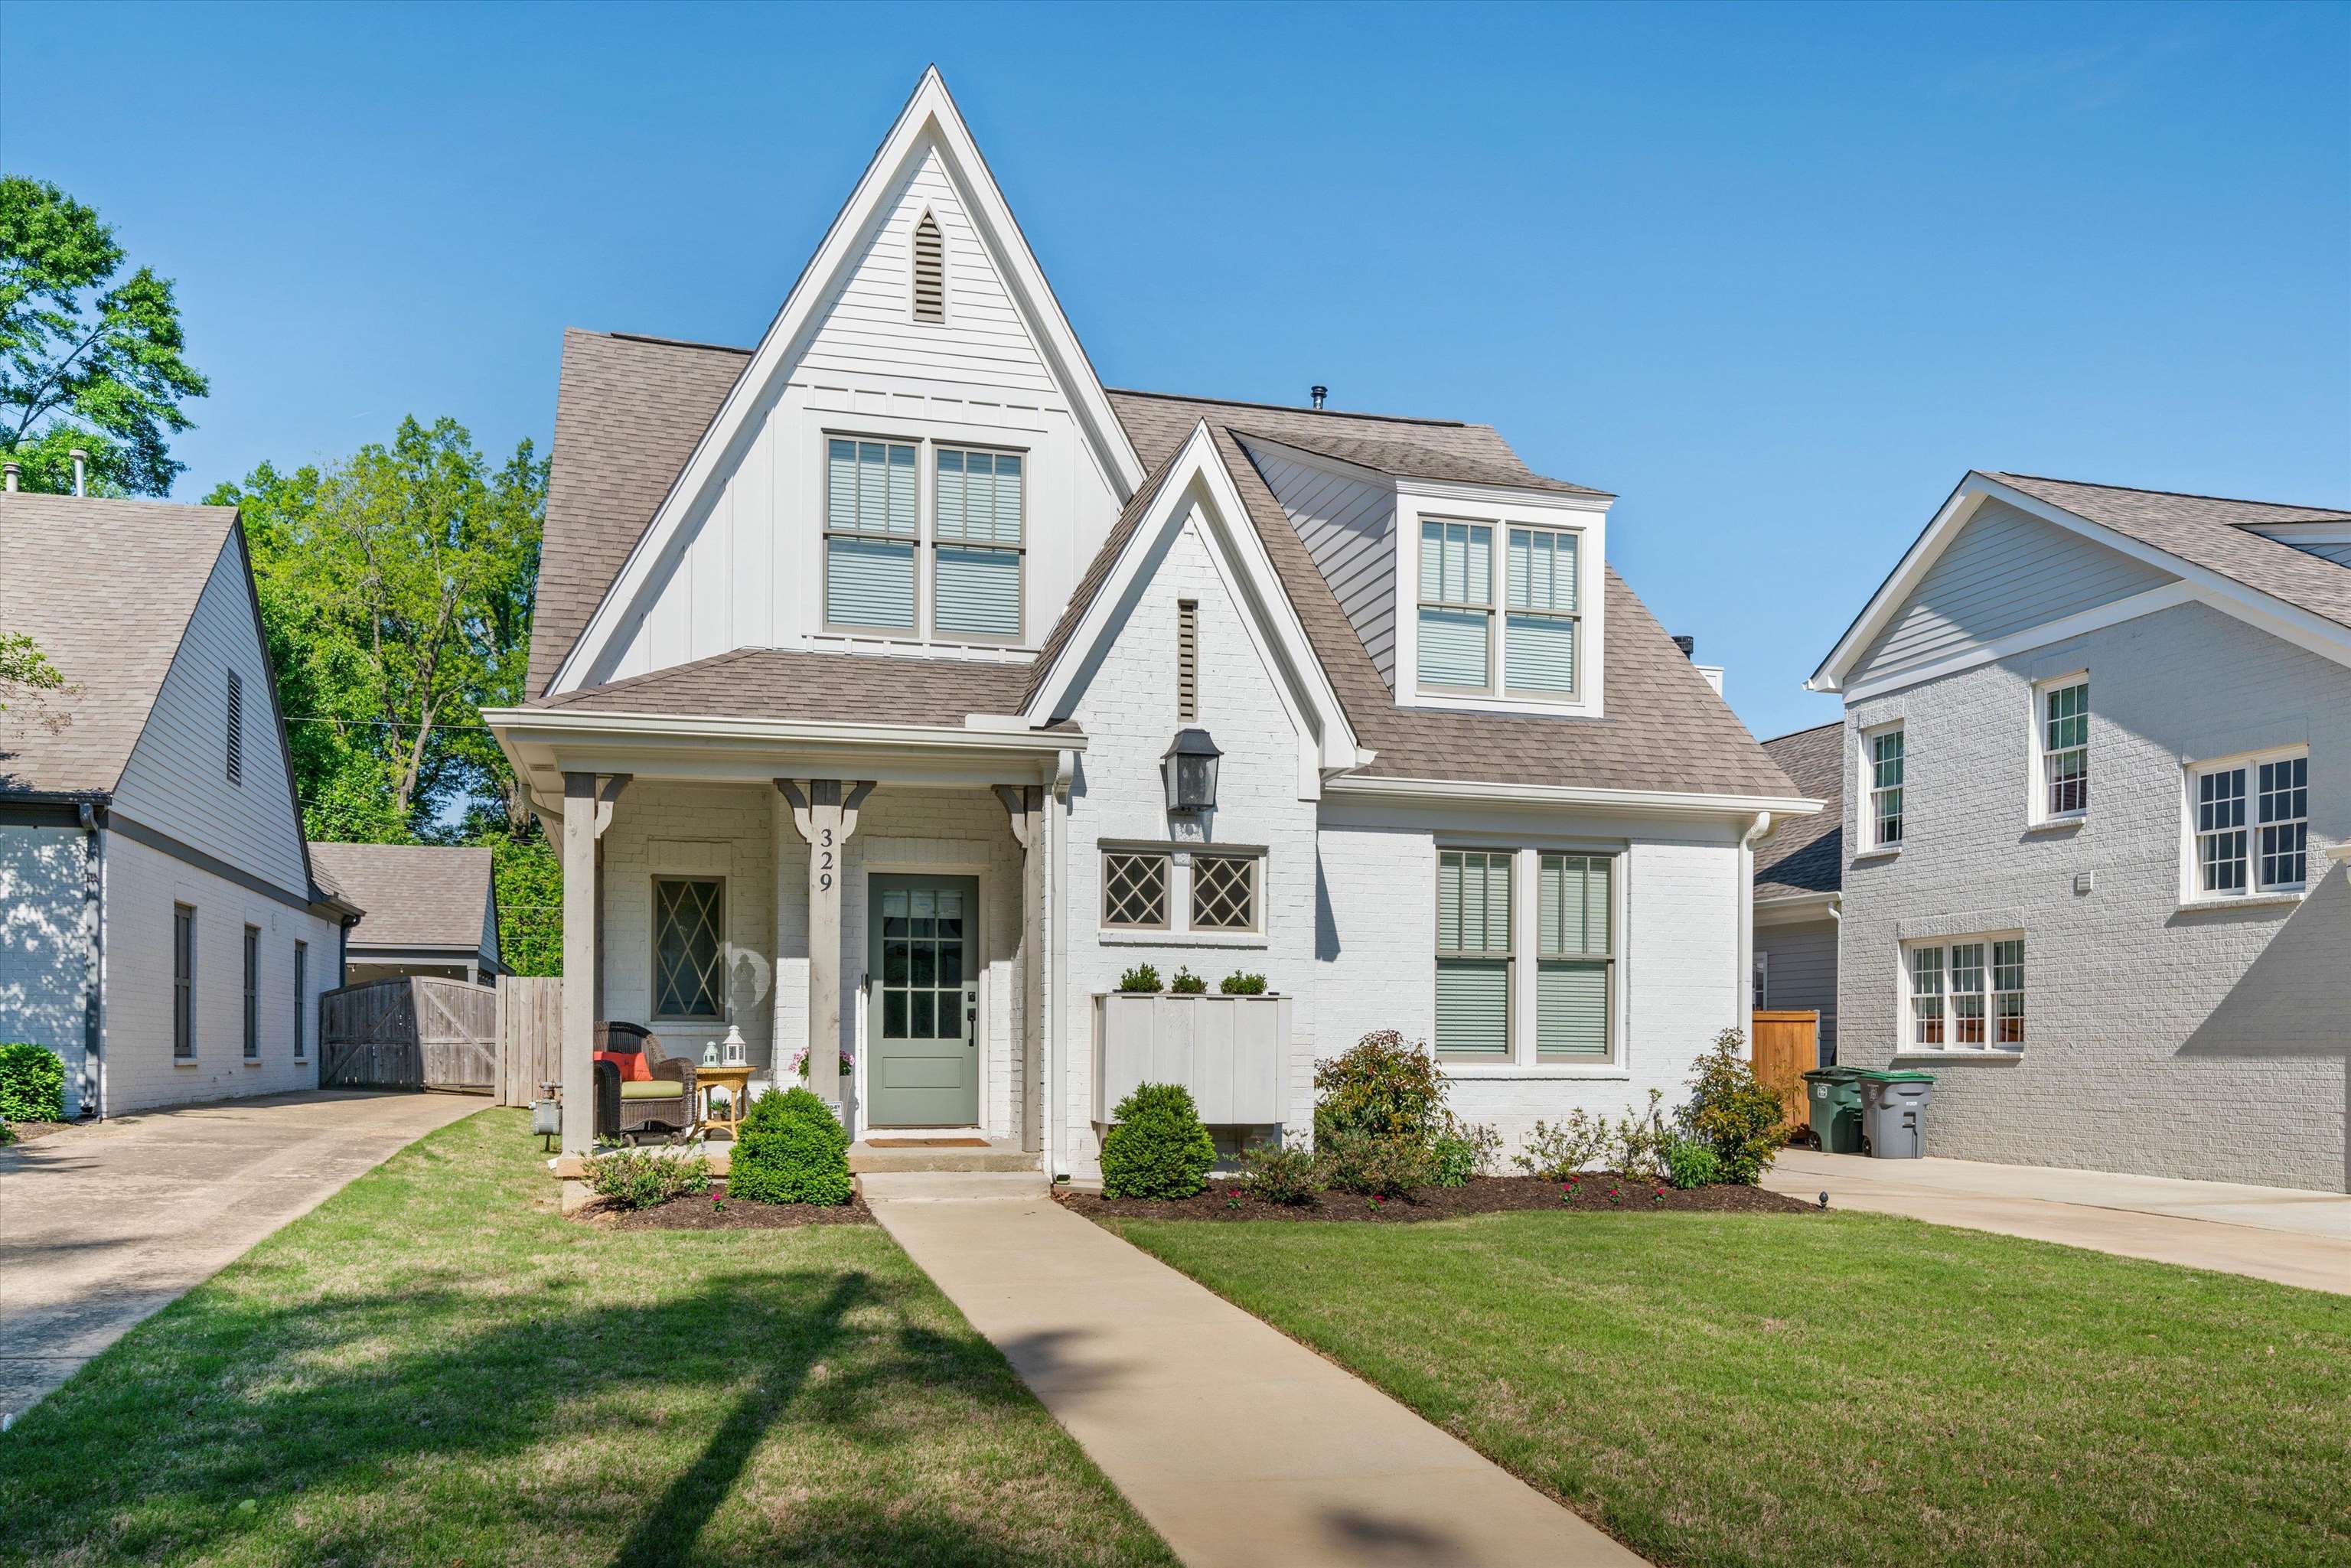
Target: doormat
[926,1142]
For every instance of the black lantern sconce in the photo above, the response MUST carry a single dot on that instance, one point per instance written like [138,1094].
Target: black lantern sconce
[1189,768]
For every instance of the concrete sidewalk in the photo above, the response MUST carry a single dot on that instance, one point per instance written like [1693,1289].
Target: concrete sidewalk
[2285,1234]
[112,1221]
[1240,1446]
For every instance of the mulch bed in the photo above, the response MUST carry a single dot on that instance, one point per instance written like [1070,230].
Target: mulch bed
[1485,1194]
[702,1214]
[27,1131]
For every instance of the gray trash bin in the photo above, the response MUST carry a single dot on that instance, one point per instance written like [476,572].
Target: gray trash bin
[1894,1112]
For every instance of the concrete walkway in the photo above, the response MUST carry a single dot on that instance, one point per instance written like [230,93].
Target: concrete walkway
[112,1221]
[1239,1445]
[2285,1234]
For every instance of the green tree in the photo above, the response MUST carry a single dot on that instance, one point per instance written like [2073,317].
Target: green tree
[529,879]
[24,669]
[84,361]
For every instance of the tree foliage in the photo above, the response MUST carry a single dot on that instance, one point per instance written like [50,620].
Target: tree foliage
[85,359]
[24,669]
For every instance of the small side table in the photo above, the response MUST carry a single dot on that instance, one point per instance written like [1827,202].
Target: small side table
[735,1080]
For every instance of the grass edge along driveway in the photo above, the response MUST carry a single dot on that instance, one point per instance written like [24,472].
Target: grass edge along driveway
[435,1366]
[1834,1388]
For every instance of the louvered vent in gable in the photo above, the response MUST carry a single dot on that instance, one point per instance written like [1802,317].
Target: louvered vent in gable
[235,728]
[930,271]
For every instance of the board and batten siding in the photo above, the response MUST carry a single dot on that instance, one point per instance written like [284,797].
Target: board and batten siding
[749,572]
[176,780]
[1348,525]
[1802,964]
[2005,571]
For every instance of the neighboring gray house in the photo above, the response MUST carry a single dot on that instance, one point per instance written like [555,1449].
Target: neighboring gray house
[1799,871]
[160,927]
[432,909]
[2097,750]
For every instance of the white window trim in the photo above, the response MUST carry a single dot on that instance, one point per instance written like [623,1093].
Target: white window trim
[1419,501]
[925,540]
[1179,931]
[2037,810]
[1525,1059]
[1865,790]
[2192,893]
[1908,1044]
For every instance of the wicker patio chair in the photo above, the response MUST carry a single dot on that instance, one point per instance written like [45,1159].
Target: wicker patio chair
[663,1101]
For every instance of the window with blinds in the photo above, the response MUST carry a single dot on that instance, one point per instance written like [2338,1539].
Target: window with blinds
[930,271]
[1575,957]
[978,538]
[1473,954]
[871,531]
[1539,614]
[1456,605]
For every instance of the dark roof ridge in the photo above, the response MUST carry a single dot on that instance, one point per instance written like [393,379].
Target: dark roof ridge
[1292,408]
[676,342]
[2146,490]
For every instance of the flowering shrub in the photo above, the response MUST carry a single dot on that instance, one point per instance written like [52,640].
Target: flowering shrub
[1734,1112]
[1383,1088]
[1280,1173]
[1376,1165]
[800,1063]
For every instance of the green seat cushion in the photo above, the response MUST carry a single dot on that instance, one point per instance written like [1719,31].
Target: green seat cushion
[652,1089]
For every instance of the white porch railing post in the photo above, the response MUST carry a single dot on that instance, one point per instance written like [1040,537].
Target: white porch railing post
[827,818]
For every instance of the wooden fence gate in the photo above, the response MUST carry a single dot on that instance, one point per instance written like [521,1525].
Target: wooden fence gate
[408,1031]
[1785,1046]
[529,1037]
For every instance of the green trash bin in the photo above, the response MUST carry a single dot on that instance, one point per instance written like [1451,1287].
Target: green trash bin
[1833,1097]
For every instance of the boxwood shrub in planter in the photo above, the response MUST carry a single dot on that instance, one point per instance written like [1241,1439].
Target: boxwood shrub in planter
[791,1148]
[1158,1149]
[32,1085]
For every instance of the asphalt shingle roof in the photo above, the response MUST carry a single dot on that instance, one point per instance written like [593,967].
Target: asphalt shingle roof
[415,896]
[2212,532]
[107,589]
[1416,460]
[792,684]
[1806,854]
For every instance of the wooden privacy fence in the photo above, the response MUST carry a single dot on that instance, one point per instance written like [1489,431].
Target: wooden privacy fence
[529,1037]
[1785,1045]
[408,1031]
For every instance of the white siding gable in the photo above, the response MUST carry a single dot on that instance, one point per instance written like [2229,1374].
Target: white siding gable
[176,780]
[1348,525]
[2004,572]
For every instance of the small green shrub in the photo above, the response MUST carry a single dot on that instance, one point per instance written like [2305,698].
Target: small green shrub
[1734,1112]
[1636,1145]
[1376,1165]
[32,1085]
[1280,1173]
[638,1178]
[791,1148]
[1689,1164]
[1463,1150]
[8,1134]
[1239,985]
[1188,984]
[1158,1149]
[1383,1088]
[1557,1152]
[1142,977]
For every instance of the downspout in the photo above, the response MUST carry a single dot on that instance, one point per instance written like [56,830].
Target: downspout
[1057,943]
[93,920]
[1745,995]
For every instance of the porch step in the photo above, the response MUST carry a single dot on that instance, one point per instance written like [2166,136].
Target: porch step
[951,1186]
[864,1158]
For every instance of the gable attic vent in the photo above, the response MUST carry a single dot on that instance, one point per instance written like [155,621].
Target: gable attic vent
[1187,660]
[235,727]
[930,271]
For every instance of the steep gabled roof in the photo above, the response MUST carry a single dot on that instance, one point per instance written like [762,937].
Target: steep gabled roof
[1806,854]
[107,589]
[415,896]
[1417,460]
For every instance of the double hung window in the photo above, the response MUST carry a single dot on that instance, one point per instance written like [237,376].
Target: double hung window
[2064,751]
[977,545]
[1540,652]
[1539,614]
[2251,821]
[1967,995]
[1473,954]
[1456,605]
[874,535]
[253,993]
[1883,765]
[1575,959]
[870,533]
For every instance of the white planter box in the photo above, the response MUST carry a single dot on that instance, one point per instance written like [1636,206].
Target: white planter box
[1227,1051]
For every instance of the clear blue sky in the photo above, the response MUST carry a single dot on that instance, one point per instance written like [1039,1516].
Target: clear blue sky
[1777,276]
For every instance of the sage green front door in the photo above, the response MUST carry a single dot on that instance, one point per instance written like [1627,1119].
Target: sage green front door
[923,1002]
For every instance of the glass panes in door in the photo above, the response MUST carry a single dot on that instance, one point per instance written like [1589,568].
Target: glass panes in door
[923,937]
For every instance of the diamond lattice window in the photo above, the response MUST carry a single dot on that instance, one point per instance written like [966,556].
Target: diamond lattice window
[1134,890]
[1224,893]
[686,949]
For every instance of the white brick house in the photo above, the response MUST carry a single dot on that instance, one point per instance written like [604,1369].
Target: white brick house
[860,654]
[160,925]
[2094,755]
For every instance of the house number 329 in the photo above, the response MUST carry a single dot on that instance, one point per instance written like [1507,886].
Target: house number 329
[825,862]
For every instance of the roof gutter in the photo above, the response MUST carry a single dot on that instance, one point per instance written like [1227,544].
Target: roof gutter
[1656,803]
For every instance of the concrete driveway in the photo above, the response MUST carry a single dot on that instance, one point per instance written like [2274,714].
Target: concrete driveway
[2286,1234]
[111,1221]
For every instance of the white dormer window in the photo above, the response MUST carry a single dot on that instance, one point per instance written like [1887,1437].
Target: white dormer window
[1456,605]
[1497,619]
[1540,614]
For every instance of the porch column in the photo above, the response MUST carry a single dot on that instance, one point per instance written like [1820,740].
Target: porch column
[1025,805]
[587,812]
[825,813]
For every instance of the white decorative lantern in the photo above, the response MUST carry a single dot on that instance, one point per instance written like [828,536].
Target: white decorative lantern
[710,1053]
[739,1050]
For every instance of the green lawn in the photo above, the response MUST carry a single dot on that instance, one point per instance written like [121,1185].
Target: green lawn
[1838,1389]
[436,1368]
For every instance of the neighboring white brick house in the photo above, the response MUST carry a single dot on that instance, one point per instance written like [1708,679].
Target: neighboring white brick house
[862,656]
[2182,994]
[156,901]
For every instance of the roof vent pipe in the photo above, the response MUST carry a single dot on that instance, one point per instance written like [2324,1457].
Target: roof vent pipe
[12,470]
[1689,645]
[81,471]
[1317,394]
